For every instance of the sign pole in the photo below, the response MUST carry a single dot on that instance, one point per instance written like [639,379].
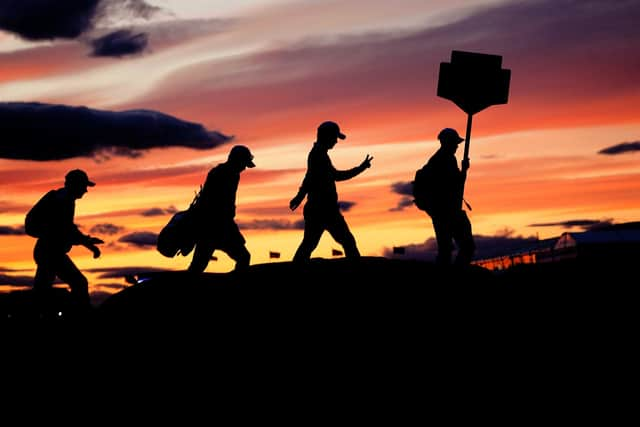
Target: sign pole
[467,142]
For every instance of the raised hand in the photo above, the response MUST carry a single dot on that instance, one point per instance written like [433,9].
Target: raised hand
[95,250]
[366,163]
[465,165]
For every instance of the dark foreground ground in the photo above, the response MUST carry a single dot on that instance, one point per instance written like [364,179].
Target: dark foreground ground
[374,296]
[535,337]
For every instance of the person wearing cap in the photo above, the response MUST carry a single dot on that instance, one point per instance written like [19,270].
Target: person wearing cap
[321,211]
[215,210]
[53,219]
[450,221]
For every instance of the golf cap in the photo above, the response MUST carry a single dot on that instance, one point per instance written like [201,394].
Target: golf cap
[330,129]
[449,135]
[242,154]
[78,176]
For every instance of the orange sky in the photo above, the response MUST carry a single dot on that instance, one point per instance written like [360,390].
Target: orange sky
[269,81]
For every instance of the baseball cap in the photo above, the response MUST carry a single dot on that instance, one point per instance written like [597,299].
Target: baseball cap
[242,154]
[78,176]
[450,135]
[330,128]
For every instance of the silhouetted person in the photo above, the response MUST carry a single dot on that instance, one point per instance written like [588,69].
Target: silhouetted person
[216,211]
[52,221]
[450,221]
[321,212]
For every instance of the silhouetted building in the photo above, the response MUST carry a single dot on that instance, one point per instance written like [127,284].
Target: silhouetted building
[617,243]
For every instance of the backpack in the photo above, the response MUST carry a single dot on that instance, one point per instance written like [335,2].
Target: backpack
[423,189]
[35,222]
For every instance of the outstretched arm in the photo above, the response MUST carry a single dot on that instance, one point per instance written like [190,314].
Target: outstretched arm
[350,173]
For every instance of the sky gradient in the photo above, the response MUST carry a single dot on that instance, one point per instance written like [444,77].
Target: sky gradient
[562,154]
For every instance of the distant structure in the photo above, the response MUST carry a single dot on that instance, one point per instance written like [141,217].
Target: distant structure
[619,243]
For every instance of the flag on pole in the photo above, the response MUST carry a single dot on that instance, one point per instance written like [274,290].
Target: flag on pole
[335,252]
[273,254]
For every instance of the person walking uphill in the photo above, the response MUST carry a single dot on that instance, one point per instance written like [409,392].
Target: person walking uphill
[51,220]
[441,183]
[216,211]
[321,212]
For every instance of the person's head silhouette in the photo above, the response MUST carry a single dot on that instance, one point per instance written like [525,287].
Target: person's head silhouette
[328,133]
[241,157]
[76,182]
[449,139]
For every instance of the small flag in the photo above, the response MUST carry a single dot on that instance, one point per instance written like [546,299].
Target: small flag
[274,254]
[335,252]
[214,258]
[398,250]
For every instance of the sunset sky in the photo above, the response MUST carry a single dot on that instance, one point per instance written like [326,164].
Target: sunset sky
[170,86]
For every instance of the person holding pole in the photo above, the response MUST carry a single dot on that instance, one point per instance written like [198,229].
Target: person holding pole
[450,221]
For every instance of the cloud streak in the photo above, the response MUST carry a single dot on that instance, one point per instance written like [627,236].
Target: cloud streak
[119,43]
[585,224]
[140,239]
[11,231]
[622,148]
[42,132]
[486,247]
[271,224]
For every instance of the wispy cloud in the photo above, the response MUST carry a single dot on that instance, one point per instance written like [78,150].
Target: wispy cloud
[106,229]
[271,224]
[622,148]
[6,279]
[36,131]
[159,211]
[119,43]
[11,231]
[486,246]
[345,206]
[117,272]
[585,224]
[141,239]
[403,188]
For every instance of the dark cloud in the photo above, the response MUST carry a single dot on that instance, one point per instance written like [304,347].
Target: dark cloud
[345,206]
[622,148]
[403,188]
[106,229]
[11,231]
[119,43]
[47,19]
[41,132]
[271,224]
[117,272]
[6,279]
[404,202]
[585,224]
[486,247]
[159,211]
[68,19]
[141,239]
